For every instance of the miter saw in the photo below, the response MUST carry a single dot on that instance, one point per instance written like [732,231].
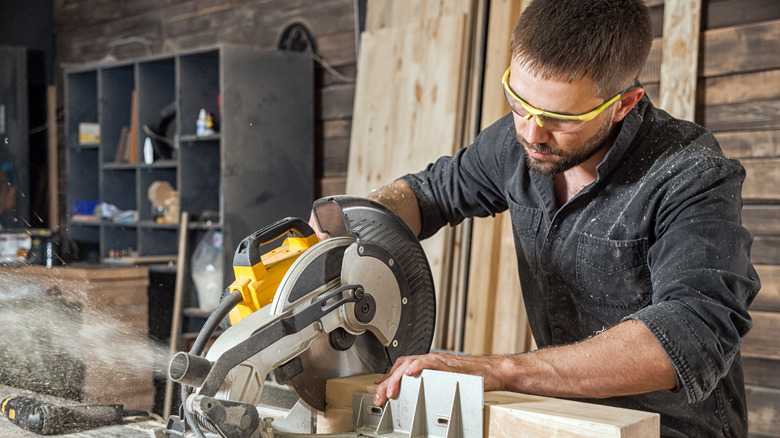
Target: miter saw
[306,312]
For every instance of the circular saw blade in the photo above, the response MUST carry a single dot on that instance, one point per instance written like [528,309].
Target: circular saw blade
[306,279]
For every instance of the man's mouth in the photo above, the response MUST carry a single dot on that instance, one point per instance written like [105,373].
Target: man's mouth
[535,154]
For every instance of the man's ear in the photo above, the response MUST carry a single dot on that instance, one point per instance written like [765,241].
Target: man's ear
[626,102]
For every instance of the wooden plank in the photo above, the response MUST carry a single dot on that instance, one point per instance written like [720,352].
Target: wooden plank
[763,410]
[391,133]
[486,250]
[740,49]
[761,372]
[740,88]
[765,250]
[750,144]
[679,57]
[768,298]
[381,14]
[747,116]
[762,180]
[511,332]
[761,341]
[506,414]
[761,219]
[722,13]
[52,158]
[651,73]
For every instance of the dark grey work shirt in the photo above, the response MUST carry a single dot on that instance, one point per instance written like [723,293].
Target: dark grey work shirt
[657,238]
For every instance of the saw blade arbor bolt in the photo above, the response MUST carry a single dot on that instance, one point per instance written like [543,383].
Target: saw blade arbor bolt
[395,343]
[361,250]
[390,262]
[404,300]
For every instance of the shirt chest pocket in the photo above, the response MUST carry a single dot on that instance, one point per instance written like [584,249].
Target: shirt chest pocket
[525,225]
[614,273]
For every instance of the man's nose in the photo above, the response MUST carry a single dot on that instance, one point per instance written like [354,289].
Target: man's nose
[530,130]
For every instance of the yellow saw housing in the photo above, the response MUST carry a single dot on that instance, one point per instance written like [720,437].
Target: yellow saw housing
[258,283]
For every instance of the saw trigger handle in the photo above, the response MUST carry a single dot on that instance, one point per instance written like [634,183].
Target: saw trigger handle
[248,251]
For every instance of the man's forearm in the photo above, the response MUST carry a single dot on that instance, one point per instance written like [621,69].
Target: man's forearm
[400,198]
[624,360]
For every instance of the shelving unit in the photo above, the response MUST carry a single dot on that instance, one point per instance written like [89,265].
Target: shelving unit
[257,168]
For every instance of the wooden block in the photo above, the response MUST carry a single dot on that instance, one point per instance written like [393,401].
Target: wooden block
[519,415]
[508,414]
[337,417]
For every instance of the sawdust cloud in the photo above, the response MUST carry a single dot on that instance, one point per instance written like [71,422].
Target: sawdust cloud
[50,344]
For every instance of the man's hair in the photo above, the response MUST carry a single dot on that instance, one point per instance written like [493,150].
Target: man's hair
[606,40]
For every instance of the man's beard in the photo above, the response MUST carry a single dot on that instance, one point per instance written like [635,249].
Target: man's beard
[558,160]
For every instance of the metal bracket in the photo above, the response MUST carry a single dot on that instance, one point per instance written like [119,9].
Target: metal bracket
[434,404]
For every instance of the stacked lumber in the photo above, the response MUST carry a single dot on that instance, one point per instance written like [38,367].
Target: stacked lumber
[411,99]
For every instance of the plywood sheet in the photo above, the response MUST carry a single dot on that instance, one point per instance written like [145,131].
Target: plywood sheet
[407,109]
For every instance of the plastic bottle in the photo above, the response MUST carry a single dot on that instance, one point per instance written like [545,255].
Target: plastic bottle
[200,125]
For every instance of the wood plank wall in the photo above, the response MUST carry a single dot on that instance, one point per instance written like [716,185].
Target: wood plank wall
[738,99]
[91,30]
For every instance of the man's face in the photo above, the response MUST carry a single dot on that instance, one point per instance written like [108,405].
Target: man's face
[548,152]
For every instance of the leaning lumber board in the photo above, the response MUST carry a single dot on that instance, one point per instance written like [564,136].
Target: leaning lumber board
[508,414]
[680,55]
[489,255]
[407,110]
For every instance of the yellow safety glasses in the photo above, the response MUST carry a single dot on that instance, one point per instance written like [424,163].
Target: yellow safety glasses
[553,121]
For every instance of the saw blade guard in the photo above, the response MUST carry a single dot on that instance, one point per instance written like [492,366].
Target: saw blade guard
[383,235]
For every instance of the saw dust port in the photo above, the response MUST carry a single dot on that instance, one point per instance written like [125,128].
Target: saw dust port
[71,348]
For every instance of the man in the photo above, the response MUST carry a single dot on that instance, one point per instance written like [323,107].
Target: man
[634,266]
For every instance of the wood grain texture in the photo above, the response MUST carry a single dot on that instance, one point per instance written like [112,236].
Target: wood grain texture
[680,51]
[747,116]
[761,341]
[763,179]
[740,88]
[740,49]
[511,415]
[765,250]
[401,131]
[763,410]
[761,372]
[750,144]
[761,219]
[490,255]
[768,298]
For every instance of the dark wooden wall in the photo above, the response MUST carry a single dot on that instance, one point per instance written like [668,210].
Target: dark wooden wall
[93,30]
[738,99]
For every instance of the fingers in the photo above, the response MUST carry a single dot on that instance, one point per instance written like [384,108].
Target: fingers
[316,227]
[390,384]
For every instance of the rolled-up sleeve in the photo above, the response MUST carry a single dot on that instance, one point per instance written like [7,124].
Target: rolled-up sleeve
[465,185]
[702,278]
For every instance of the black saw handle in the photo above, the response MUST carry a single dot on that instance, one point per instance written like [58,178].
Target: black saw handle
[248,251]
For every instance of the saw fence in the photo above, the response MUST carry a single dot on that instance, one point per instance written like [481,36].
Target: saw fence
[428,80]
